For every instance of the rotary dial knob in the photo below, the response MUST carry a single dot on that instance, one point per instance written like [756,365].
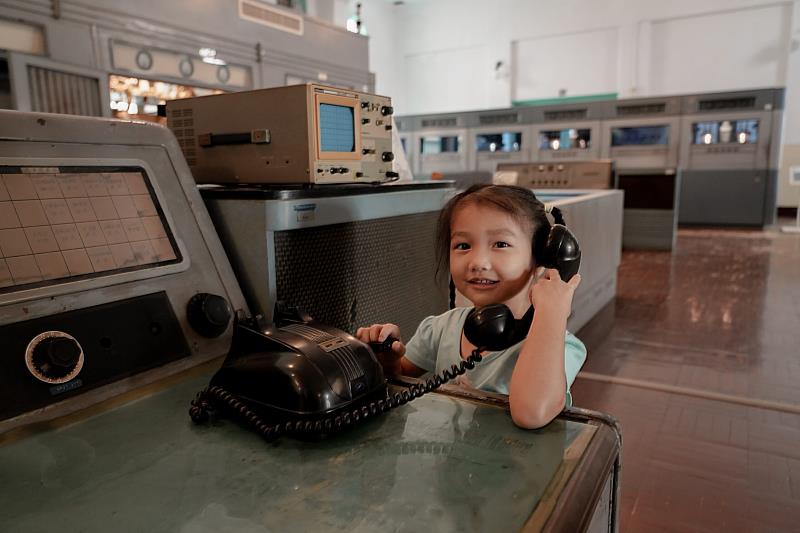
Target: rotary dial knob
[54,357]
[209,314]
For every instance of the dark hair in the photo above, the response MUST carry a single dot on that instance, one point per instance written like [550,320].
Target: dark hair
[518,202]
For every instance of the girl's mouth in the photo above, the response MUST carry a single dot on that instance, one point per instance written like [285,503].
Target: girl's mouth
[482,282]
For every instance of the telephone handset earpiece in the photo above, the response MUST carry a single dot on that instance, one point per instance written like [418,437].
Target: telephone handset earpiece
[493,327]
[561,251]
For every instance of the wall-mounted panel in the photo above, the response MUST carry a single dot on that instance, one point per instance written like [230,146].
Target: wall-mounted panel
[573,64]
[455,79]
[720,51]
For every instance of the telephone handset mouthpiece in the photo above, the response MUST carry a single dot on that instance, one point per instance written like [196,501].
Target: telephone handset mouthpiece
[493,327]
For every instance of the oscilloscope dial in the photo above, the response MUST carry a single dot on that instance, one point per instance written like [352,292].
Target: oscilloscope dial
[54,357]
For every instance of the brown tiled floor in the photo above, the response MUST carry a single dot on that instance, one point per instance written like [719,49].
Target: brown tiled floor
[721,313]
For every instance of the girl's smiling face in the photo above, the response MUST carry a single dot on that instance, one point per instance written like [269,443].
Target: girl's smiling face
[491,260]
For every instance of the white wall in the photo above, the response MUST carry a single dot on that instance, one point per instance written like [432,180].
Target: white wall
[443,55]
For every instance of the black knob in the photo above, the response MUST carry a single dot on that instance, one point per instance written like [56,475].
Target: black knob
[365,121]
[387,156]
[392,174]
[364,104]
[387,110]
[54,357]
[208,314]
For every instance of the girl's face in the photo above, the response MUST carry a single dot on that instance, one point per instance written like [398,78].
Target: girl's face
[490,257]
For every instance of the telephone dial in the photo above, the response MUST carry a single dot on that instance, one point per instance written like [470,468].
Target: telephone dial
[299,377]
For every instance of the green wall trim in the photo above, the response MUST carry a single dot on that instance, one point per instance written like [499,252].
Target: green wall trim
[565,100]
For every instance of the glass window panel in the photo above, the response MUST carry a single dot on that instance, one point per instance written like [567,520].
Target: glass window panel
[640,136]
[565,139]
[439,145]
[509,141]
[725,132]
[77,223]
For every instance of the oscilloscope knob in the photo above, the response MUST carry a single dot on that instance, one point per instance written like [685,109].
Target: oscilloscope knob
[54,357]
[208,314]
[387,110]
[387,156]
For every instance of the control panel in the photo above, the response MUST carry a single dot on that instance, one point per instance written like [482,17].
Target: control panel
[566,175]
[111,274]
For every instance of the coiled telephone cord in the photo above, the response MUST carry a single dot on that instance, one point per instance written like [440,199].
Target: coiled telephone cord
[205,400]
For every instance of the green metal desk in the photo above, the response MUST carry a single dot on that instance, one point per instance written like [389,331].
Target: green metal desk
[441,463]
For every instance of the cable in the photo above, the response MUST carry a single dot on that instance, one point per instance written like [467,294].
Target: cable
[205,401]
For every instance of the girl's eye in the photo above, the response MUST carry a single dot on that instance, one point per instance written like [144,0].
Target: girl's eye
[502,244]
[461,246]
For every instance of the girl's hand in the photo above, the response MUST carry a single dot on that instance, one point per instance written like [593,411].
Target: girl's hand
[379,333]
[552,295]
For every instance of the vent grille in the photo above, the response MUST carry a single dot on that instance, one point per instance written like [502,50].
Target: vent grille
[505,118]
[642,109]
[348,362]
[270,16]
[61,92]
[363,262]
[181,122]
[727,103]
[439,122]
[307,332]
[565,114]
[344,355]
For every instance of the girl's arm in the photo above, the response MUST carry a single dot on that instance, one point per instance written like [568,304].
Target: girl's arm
[537,392]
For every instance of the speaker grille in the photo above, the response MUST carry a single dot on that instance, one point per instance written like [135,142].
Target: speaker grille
[358,273]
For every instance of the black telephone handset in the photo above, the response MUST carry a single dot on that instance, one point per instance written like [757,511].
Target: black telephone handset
[493,327]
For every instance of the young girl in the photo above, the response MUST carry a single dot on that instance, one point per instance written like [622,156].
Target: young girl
[488,236]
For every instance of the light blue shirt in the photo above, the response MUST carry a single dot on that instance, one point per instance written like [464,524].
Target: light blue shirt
[436,346]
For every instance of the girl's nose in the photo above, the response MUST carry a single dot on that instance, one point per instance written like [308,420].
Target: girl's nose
[479,261]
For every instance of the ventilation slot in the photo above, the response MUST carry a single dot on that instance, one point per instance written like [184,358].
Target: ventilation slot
[183,129]
[269,16]
[439,122]
[644,109]
[565,114]
[348,362]
[61,92]
[727,103]
[486,120]
[312,334]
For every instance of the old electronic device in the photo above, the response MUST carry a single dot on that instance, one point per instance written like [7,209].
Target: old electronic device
[335,251]
[297,376]
[728,150]
[111,274]
[565,175]
[297,134]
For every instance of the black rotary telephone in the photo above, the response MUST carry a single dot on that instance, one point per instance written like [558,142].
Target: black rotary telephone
[304,378]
